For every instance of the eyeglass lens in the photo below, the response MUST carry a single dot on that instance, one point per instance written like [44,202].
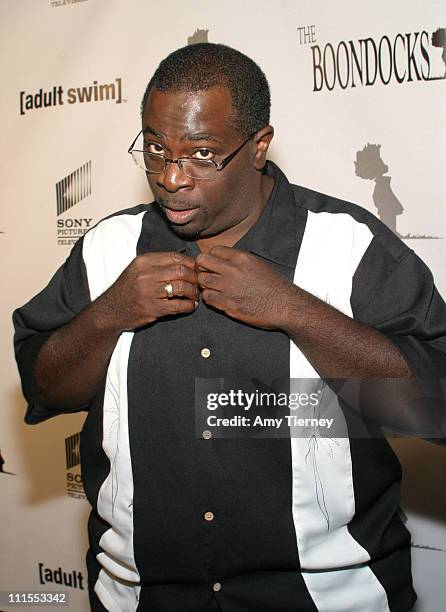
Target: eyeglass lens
[155,164]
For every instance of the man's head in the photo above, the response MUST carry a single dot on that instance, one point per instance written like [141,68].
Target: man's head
[203,102]
[205,65]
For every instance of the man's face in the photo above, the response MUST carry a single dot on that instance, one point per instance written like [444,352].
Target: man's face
[198,124]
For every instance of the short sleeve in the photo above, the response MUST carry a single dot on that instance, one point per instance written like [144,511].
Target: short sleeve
[398,297]
[65,296]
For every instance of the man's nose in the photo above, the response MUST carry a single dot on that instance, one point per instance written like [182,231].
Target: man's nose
[173,178]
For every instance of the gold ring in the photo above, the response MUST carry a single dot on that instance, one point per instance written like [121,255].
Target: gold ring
[169,290]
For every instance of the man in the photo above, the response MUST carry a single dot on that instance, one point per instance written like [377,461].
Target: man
[231,272]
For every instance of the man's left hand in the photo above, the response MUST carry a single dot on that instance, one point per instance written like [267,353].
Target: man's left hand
[243,286]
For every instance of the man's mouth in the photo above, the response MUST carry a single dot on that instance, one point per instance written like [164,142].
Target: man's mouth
[179,216]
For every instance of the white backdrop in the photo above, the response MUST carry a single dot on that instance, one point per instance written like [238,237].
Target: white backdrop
[68,50]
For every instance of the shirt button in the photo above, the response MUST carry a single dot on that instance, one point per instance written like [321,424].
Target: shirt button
[207,434]
[205,353]
[209,516]
[216,586]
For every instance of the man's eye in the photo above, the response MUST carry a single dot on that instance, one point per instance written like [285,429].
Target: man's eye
[152,147]
[203,154]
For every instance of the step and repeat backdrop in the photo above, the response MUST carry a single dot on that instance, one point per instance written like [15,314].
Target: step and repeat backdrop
[358,105]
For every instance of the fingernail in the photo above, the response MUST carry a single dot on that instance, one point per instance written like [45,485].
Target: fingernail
[196,303]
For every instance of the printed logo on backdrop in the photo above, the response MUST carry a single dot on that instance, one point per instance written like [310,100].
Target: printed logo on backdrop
[56,3]
[395,59]
[72,578]
[199,36]
[2,466]
[57,96]
[75,488]
[71,190]
[369,165]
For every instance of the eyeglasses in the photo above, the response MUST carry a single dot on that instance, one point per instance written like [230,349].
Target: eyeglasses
[202,169]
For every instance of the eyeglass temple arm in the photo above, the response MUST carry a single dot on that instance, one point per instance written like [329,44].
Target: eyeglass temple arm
[133,143]
[226,161]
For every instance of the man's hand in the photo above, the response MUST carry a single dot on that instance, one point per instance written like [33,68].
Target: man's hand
[72,364]
[139,296]
[243,286]
[250,290]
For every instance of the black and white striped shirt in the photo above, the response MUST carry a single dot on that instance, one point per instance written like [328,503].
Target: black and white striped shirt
[240,525]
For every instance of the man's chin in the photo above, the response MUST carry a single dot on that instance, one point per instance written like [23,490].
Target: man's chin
[183,231]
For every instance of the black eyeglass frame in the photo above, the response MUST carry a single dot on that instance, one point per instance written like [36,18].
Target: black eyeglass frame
[179,160]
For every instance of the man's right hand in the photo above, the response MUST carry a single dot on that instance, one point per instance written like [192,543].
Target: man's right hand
[139,296]
[72,364]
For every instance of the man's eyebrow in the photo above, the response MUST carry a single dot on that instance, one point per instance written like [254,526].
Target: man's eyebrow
[193,137]
[150,130]
[202,136]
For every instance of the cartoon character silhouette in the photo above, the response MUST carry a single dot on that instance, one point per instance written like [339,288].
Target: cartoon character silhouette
[2,463]
[439,40]
[199,36]
[369,165]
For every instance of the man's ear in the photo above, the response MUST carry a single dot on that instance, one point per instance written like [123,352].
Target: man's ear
[262,138]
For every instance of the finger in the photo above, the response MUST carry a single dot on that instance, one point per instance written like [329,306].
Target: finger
[210,280]
[173,307]
[180,288]
[176,272]
[206,261]
[224,252]
[212,298]
[166,258]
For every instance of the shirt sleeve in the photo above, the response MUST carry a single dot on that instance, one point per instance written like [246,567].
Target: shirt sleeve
[62,299]
[397,296]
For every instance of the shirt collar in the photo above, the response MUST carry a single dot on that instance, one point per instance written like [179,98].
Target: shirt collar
[156,235]
[275,236]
